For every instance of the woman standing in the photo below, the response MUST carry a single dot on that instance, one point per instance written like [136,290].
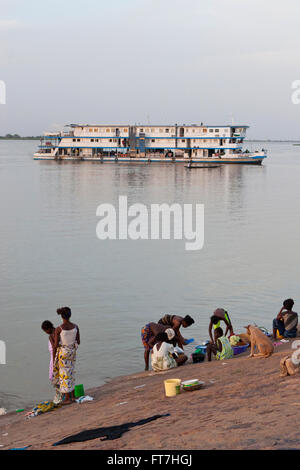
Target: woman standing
[67,339]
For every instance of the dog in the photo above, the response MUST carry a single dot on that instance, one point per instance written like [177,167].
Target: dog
[259,340]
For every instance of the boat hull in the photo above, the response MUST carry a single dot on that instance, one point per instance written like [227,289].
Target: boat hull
[251,160]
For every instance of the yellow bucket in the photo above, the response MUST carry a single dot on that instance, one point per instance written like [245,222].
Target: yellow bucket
[172,387]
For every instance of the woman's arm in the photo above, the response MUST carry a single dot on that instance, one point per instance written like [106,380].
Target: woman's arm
[56,340]
[78,336]
[209,331]
[51,339]
[179,338]
[228,326]
[279,316]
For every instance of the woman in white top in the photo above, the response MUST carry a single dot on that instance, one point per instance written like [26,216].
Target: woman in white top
[67,339]
[163,355]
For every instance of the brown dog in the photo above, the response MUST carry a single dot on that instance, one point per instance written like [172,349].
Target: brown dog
[259,340]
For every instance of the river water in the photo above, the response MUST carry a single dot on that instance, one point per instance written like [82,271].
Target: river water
[50,257]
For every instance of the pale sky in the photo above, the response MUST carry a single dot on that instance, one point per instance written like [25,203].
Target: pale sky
[163,61]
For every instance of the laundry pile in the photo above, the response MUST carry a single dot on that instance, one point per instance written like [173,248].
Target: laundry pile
[43,407]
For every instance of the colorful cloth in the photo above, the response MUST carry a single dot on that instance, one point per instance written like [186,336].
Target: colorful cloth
[66,357]
[51,361]
[43,407]
[54,376]
[227,351]
[234,340]
[146,335]
[290,320]
[58,395]
[162,359]
[64,365]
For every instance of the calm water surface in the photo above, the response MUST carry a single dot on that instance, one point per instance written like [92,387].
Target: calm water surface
[50,256]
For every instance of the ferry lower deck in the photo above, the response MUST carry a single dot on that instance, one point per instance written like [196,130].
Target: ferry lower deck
[254,160]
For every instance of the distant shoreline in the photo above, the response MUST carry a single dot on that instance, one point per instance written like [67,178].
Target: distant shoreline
[15,137]
[270,140]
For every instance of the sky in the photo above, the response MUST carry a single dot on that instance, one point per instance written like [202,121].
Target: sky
[150,61]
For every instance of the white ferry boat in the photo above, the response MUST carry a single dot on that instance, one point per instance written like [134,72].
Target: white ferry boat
[124,143]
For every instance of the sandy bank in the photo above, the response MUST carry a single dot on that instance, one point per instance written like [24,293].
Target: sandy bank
[244,405]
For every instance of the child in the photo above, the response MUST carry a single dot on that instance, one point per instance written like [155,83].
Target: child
[49,329]
[221,348]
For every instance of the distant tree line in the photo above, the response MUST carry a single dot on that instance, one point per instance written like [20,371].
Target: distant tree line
[17,136]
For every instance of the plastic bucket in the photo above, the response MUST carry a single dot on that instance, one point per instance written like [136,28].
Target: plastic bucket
[79,391]
[172,387]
